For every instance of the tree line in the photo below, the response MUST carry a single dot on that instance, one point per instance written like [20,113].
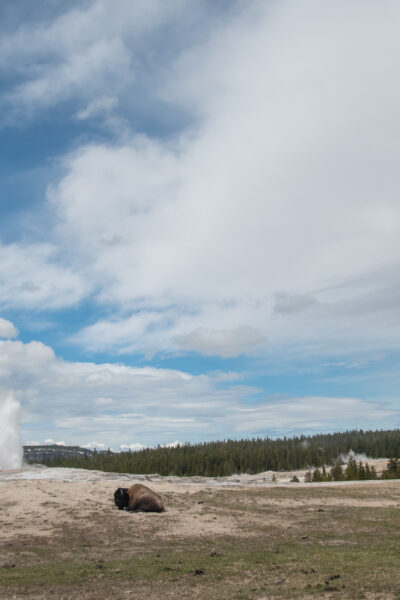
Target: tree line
[353,471]
[228,457]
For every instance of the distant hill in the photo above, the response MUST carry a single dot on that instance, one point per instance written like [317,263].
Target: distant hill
[46,453]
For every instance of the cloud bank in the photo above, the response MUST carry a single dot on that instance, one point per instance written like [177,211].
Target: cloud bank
[271,214]
[231,191]
[133,407]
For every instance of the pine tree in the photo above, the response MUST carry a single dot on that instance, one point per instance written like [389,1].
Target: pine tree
[317,475]
[352,472]
[337,472]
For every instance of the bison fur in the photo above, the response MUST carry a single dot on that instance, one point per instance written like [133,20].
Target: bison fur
[138,498]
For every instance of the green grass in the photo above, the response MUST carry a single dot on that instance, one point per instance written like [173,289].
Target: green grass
[285,570]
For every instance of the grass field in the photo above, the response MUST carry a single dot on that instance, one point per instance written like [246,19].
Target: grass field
[323,542]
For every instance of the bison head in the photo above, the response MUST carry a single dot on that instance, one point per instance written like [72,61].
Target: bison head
[121,498]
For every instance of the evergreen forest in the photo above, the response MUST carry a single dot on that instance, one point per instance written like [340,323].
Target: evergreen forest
[228,457]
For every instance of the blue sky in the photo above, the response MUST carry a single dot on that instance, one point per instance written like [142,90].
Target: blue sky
[199,218]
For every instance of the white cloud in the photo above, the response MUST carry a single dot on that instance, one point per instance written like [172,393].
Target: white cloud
[95,445]
[33,275]
[309,412]
[156,405]
[7,329]
[266,223]
[174,444]
[101,59]
[302,414]
[291,303]
[222,342]
[82,53]
[96,107]
[152,331]
[104,401]
[133,447]
[275,213]
[104,110]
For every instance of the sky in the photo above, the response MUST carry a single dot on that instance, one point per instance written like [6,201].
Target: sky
[199,218]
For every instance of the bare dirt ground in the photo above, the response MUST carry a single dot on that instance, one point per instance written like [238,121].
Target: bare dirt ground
[242,537]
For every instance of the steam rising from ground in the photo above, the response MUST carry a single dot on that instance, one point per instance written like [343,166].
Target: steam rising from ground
[10,443]
[351,455]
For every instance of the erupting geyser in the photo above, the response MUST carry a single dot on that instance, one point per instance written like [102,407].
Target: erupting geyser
[10,443]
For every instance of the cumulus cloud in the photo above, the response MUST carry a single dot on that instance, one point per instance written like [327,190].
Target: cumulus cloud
[207,231]
[242,199]
[95,446]
[132,447]
[7,329]
[270,213]
[156,405]
[174,444]
[51,442]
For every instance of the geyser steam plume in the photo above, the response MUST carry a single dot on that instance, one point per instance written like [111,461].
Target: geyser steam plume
[10,443]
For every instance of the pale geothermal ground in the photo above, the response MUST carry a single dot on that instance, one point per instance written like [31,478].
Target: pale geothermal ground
[235,537]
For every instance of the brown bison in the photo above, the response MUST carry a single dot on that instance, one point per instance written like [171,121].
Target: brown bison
[138,498]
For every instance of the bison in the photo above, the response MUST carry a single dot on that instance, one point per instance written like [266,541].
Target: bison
[138,498]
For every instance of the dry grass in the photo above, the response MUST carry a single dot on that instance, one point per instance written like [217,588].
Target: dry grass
[70,542]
